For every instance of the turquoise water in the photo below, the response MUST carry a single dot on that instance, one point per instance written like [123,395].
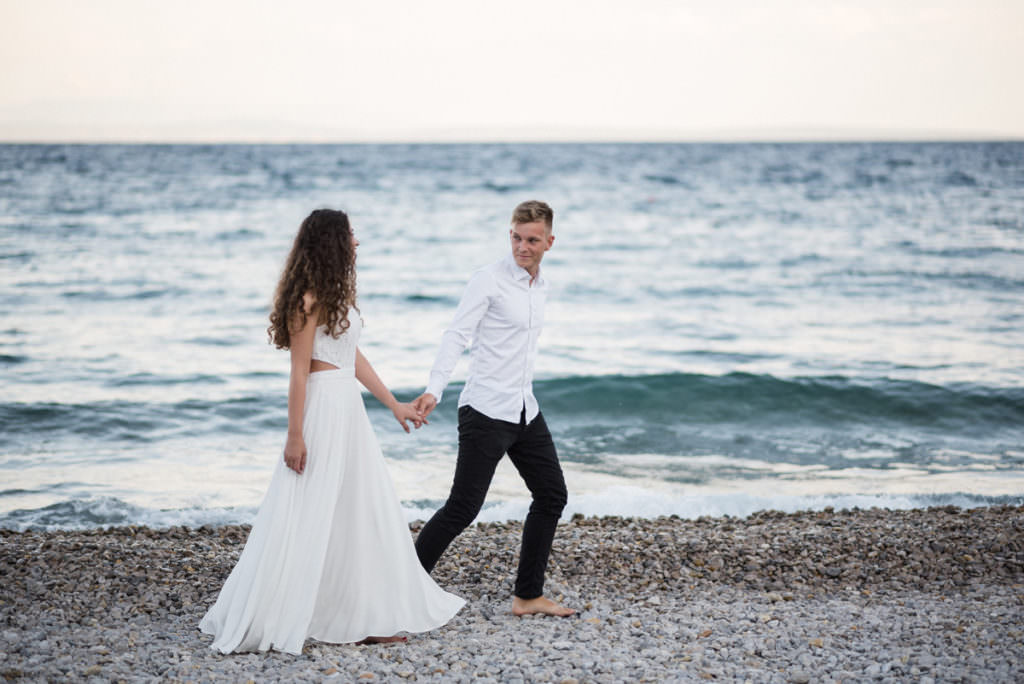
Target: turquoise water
[731,327]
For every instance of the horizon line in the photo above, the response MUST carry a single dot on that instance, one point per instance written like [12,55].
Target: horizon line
[711,140]
[260,133]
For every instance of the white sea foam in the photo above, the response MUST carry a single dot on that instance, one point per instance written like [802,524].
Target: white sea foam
[621,501]
[635,502]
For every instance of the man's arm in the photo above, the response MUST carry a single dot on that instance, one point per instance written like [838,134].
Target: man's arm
[456,338]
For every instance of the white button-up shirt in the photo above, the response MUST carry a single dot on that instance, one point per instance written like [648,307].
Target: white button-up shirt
[502,314]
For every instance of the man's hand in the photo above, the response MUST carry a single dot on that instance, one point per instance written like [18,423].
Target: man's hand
[424,404]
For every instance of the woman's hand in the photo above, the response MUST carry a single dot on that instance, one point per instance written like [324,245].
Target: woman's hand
[295,453]
[404,412]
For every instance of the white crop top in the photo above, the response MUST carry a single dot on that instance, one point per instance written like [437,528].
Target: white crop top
[340,351]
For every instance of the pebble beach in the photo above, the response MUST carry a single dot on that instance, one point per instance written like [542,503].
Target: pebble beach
[924,595]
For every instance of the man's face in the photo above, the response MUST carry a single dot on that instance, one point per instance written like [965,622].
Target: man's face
[529,242]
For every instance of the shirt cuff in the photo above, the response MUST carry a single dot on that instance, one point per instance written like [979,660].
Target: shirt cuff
[434,391]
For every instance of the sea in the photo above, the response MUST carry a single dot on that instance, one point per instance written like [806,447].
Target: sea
[730,327]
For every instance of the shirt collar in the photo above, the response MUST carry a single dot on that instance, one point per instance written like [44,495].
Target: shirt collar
[519,273]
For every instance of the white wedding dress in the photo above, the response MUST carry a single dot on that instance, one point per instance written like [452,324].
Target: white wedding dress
[329,555]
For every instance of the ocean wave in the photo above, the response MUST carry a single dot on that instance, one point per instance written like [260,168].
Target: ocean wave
[960,179]
[207,341]
[791,174]
[967,251]
[503,187]
[416,298]
[108,511]
[134,421]
[621,501]
[23,256]
[664,402]
[756,399]
[239,234]
[105,295]
[638,502]
[666,179]
[152,379]
[863,279]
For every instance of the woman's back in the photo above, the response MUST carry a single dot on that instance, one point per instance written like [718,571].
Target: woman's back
[339,351]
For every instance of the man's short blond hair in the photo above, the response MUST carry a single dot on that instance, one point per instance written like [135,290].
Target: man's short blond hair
[533,210]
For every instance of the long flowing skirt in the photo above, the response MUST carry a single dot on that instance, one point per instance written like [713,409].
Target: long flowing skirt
[329,555]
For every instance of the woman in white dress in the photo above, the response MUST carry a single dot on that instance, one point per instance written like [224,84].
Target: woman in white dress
[330,555]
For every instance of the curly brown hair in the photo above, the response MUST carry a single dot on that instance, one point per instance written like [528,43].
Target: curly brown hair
[323,263]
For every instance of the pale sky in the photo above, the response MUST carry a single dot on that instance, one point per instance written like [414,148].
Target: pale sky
[393,70]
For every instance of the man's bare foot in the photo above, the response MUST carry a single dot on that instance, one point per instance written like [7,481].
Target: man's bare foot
[381,640]
[539,606]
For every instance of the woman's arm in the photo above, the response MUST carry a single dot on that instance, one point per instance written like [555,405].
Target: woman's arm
[368,377]
[302,353]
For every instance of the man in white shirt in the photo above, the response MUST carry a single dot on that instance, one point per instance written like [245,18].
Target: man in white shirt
[502,312]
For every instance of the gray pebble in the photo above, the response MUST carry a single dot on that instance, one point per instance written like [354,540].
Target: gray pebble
[646,612]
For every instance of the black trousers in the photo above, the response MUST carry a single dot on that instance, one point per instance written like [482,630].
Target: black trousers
[482,443]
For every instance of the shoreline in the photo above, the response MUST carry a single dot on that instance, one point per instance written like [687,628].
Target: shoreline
[813,596]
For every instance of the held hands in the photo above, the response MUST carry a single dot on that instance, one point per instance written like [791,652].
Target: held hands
[295,453]
[424,404]
[404,412]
